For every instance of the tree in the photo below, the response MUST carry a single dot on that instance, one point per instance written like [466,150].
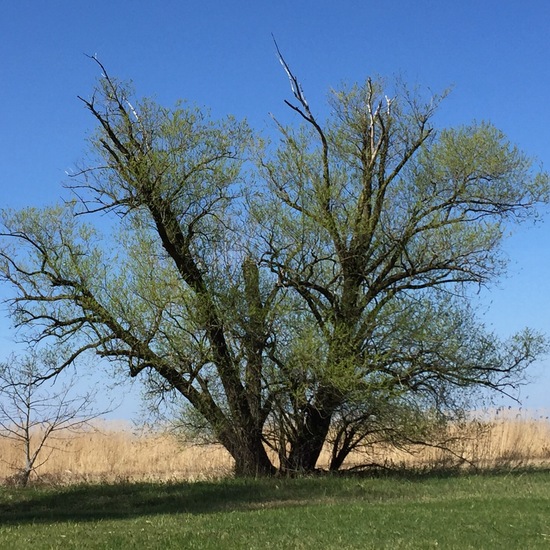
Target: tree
[33,411]
[379,220]
[163,301]
[284,299]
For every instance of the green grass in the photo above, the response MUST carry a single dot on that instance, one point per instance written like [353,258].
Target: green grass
[489,511]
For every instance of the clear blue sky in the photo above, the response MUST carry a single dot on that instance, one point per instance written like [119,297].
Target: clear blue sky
[220,54]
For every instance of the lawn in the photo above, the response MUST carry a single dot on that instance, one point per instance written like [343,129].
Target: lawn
[470,511]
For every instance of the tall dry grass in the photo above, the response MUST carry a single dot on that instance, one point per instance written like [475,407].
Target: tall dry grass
[110,452]
[497,443]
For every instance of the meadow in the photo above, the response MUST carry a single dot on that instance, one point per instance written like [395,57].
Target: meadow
[344,512]
[112,488]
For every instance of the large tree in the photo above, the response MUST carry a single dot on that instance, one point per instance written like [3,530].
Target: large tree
[158,295]
[311,292]
[375,221]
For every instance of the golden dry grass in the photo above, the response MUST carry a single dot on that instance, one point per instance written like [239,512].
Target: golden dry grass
[111,452]
[501,442]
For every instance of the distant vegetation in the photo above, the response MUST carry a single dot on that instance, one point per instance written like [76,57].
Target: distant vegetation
[112,453]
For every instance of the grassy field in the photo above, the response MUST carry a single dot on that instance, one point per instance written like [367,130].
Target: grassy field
[111,488]
[470,511]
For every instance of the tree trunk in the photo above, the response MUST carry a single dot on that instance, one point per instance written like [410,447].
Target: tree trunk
[21,478]
[338,458]
[248,451]
[308,444]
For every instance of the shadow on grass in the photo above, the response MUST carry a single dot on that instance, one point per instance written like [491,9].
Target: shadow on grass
[130,500]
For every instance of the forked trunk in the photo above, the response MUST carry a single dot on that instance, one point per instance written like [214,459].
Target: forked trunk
[308,444]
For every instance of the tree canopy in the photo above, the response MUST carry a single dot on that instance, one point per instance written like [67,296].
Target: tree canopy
[294,294]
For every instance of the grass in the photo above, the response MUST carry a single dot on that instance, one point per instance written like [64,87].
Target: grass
[469,511]
[110,488]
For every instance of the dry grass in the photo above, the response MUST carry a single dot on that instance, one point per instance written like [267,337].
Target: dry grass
[497,443]
[112,452]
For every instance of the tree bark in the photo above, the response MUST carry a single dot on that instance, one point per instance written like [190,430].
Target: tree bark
[310,439]
[308,445]
[248,451]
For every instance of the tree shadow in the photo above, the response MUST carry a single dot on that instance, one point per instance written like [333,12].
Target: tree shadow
[82,503]
[129,500]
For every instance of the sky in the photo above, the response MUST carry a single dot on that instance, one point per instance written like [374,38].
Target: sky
[493,54]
